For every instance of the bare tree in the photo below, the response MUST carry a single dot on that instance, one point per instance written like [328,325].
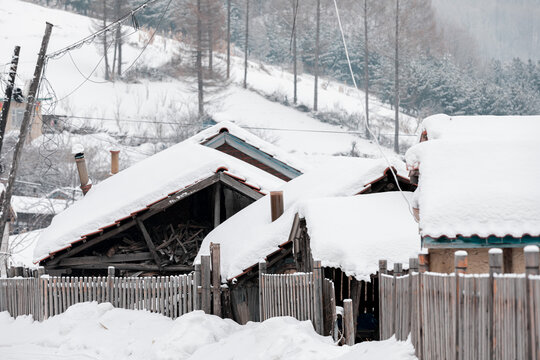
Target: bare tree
[396,82]
[246,45]
[228,39]
[366,66]
[295,69]
[200,80]
[317,52]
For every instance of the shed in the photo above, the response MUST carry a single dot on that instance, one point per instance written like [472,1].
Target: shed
[152,216]
[477,188]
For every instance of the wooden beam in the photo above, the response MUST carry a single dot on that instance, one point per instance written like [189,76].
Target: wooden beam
[240,187]
[134,267]
[149,242]
[217,204]
[86,260]
[85,245]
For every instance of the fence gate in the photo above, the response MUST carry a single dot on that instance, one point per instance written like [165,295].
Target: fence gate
[305,296]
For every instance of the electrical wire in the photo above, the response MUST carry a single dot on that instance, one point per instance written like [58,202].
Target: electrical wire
[409,206]
[151,37]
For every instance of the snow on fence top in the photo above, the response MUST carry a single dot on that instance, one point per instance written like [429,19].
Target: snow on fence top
[442,126]
[140,185]
[252,140]
[248,236]
[477,187]
[353,233]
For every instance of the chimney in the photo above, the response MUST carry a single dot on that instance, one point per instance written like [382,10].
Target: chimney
[276,204]
[115,154]
[78,150]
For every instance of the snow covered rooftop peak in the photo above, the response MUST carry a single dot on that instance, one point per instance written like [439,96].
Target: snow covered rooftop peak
[490,127]
[138,186]
[250,235]
[251,139]
[478,187]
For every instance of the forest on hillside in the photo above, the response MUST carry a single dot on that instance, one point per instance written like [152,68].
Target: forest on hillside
[440,65]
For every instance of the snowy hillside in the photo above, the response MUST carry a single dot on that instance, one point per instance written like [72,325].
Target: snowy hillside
[163,111]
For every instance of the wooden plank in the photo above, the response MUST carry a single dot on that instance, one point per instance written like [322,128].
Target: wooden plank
[87,260]
[205,283]
[149,242]
[215,254]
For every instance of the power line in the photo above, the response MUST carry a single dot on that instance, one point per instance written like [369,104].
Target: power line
[409,207]
[90,38]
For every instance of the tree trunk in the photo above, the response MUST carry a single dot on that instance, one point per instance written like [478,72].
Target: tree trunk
[246,45]
[228,39]
[317,49]
[105,47]
[210,49]
[119,51]
[396,83]
[295,70]
[199,61]
[366,67]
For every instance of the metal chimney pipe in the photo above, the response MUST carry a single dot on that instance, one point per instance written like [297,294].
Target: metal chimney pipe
[276,204]
[115,162]
[81,167]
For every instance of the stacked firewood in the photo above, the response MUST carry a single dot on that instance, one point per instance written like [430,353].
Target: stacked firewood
[180,243]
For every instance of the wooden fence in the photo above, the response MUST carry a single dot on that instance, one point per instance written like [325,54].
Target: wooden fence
[47,296]
[305,296]
[465,316]
[44,296]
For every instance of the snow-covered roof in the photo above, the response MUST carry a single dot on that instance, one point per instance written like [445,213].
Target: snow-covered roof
[142,184]
[249,235]
[251,139]
[34,205]
[488,127]
[354,233]
[478,187]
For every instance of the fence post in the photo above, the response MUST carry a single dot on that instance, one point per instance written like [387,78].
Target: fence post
[413,267]
[318,296]
[348,320]
[205,283]
[460,267]
[262,271]
[532,263]
[110,286]
[196,287]
[398,268]
[423,266]
[383,268]
[41,307]
[495,267]
[216,278]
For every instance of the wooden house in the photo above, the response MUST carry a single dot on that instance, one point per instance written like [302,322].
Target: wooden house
[251,235]
[477,188]
[153,216]
[32,213]
[15,117]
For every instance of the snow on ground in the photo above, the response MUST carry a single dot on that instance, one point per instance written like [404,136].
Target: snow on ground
[92,331]
[166,107]
[353,233]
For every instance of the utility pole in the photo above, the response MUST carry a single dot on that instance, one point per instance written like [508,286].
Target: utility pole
[246,45]
[317,40]
[396,84]
[228,39]
[295,70]
[9,93]
[366,67]
[30,106]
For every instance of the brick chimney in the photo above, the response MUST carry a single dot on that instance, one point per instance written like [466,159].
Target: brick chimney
[115,162]
[276,204]
[78,151]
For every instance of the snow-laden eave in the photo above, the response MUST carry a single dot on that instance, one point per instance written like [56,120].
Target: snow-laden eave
[178,193]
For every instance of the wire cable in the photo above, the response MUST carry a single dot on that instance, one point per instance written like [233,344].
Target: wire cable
[392,170]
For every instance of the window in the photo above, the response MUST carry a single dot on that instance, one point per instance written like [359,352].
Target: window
[17,118]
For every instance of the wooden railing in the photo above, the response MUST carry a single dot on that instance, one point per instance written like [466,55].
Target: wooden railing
[465,316]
